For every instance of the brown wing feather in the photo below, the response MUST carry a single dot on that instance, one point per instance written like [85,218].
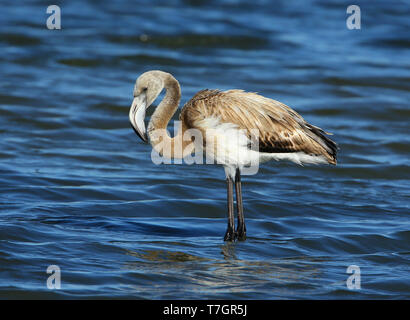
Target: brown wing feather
[281,129]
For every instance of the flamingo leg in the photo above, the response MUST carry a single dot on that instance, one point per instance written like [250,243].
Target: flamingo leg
[230,231]
[240,232]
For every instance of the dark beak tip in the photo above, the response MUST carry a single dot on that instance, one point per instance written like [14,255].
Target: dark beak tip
[142,136]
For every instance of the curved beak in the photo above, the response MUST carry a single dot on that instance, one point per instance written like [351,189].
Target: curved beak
[137,115]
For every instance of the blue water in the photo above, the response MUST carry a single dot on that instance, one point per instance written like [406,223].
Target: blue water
[78,189]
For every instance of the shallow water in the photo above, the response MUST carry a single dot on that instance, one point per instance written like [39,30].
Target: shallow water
[78,188]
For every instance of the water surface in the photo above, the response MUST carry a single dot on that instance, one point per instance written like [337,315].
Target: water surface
[78,189]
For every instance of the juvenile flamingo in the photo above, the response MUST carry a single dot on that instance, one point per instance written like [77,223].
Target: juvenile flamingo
[223,117]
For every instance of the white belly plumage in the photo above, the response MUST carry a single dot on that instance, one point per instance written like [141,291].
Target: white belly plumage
[228,145]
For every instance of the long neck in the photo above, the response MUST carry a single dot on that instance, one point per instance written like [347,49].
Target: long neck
[161,141]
